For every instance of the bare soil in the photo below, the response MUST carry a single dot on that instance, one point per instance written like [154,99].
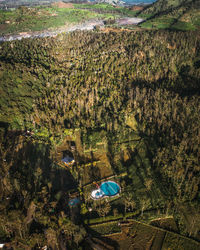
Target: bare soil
[129,21]
[63,5]
[3,27]
[135,8]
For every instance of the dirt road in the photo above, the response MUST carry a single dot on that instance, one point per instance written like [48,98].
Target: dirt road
[89,25]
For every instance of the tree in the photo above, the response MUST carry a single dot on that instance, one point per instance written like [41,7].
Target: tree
[115,212]
[128,201]
[51,236]
[103,208]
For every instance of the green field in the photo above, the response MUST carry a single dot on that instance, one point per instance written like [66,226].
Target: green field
[107,8]
[40,18]
[24,19]
[168,23]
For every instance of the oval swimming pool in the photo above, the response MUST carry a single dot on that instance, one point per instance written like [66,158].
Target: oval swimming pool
[110,188]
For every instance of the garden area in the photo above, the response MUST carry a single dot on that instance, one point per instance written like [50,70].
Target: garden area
[117,158]
[136,235]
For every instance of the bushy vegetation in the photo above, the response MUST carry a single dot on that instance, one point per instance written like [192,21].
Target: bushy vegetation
[116,85]
[34,210]
[92,84]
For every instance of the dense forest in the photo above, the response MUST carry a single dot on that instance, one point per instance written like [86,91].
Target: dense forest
[143,82]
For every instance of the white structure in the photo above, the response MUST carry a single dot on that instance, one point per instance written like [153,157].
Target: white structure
[97,194]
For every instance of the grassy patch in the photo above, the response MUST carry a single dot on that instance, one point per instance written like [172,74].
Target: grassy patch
[102,6]
[146,25]
[107,228]
[159,23]
[197,21]
[168,23]
[41,18]
[145,15]
[183,26]
[105,8]
[111,218]
[101,219]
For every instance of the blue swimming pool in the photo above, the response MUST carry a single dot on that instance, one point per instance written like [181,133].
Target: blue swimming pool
[110,188]
[107,188]
[99,194]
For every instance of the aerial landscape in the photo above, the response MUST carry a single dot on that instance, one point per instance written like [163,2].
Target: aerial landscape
[100,124]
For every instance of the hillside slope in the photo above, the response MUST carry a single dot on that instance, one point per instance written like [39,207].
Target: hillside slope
[180,14]
[161,6]
[134,96]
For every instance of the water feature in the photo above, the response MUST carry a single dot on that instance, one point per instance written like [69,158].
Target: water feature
[107,189]
[110,188]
